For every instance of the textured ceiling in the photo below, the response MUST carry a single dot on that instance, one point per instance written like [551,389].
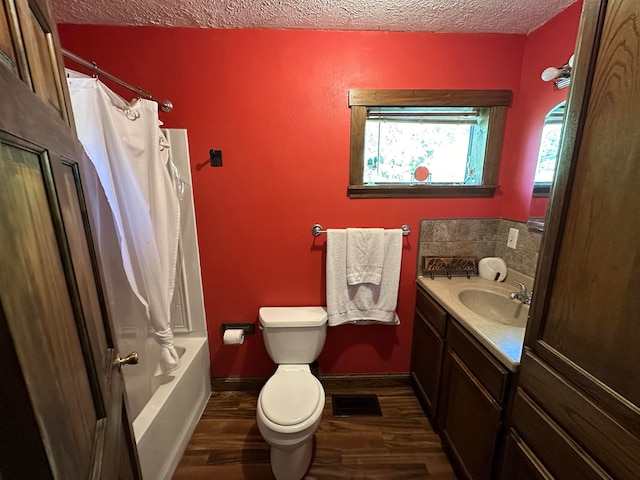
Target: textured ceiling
[474,16]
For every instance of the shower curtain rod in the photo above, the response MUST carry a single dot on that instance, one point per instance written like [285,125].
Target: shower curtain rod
[165,105]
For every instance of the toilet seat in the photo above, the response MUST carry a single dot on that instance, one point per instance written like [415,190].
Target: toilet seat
[290,397]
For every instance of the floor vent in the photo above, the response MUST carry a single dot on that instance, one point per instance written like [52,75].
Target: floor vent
[356,405]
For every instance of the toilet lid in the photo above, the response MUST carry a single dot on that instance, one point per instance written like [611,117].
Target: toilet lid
[289,398]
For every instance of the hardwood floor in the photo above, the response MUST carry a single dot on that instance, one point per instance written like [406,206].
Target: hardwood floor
[399,445]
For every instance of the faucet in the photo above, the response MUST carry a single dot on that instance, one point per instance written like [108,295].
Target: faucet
[522,295]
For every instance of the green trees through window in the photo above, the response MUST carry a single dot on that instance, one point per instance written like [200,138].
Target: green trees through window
[425,142]
[549,146]
[448,142]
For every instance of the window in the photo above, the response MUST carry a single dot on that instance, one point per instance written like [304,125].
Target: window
[548,154]
[426,143]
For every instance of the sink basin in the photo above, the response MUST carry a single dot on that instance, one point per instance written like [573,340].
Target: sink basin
[495,307]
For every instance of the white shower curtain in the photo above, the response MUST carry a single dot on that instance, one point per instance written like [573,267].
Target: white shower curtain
[130,154]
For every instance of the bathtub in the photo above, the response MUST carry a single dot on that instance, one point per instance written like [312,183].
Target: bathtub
[164,426]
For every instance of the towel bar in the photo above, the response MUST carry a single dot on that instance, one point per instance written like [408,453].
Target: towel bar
[317,230]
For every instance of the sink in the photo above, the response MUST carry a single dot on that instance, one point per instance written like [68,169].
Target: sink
[495,307]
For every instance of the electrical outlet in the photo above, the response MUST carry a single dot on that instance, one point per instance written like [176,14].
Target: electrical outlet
[512,239]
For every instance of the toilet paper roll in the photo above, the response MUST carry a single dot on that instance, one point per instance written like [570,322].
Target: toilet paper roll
[233,336]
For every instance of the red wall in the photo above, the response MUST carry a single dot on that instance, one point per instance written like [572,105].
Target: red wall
[550,45]
[275,103]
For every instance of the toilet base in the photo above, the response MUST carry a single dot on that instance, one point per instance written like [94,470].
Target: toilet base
[291,464]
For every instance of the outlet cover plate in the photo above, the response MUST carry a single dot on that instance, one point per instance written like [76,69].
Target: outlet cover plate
[512,239]
[215,158]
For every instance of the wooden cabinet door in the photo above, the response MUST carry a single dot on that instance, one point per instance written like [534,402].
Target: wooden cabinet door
[62,398]
[426,362]
[520,462]
[581,364]
[470,419]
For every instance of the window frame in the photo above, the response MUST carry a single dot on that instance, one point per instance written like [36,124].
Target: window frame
[359,99]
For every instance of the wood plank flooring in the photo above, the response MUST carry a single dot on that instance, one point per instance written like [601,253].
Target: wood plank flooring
[399,445]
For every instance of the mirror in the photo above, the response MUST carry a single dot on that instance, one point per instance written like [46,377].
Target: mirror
[551,45]
[546,165]
[548,153]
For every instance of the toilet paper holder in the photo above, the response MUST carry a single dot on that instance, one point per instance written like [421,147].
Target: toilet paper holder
[247,328]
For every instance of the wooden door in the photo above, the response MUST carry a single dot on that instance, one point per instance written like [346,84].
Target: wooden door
[581,366]
[63,414]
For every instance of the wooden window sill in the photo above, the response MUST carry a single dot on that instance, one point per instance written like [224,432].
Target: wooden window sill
[541,190]
[420,191]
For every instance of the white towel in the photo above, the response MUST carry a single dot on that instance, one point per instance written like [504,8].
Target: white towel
[364,303]
[365,255]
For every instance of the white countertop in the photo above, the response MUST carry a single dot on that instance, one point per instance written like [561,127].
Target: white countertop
[502,340]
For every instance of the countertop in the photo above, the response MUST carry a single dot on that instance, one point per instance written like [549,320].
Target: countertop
[502,340]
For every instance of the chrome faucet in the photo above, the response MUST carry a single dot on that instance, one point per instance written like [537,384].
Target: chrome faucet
[522,295]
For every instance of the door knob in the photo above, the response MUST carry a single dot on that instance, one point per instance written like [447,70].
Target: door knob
[130,359]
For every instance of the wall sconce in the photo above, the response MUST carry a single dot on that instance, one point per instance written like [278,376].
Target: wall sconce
[561,77]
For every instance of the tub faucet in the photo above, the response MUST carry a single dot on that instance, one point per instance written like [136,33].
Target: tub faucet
[522,295]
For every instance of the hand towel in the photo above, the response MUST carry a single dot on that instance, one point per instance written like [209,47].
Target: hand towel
[364,303]
[365,255]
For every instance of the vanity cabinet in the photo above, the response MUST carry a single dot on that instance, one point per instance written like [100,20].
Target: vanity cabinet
[473,399]
[521,462]
[429,328]
[463,388]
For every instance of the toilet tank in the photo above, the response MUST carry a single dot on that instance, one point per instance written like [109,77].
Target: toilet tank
[293,335]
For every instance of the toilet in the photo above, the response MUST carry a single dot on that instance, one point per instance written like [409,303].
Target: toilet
[291,402]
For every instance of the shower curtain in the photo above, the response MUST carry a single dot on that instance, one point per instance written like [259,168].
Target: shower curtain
[129,153]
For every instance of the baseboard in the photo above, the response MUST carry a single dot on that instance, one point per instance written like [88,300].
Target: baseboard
[365,381]
[237,384]
[330,382]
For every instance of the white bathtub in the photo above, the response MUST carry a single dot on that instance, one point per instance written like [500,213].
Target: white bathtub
[165,425]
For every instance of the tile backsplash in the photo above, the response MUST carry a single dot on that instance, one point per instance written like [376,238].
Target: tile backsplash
[480,237]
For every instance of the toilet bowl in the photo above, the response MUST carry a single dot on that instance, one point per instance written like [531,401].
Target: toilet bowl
[290,404]
[288,413]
